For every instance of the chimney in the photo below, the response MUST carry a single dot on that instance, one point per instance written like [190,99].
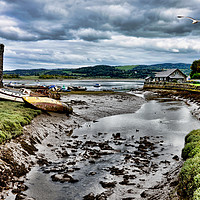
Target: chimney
[1,64]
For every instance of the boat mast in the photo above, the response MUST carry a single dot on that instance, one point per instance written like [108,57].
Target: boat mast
[1,64]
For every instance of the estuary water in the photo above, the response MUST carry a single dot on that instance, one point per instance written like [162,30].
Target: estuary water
[119,156]
[116,85]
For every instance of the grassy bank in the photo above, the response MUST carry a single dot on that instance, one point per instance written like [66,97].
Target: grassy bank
[189,184]
[13,116]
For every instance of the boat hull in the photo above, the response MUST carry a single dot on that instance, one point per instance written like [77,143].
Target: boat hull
[48,104]
[11,95]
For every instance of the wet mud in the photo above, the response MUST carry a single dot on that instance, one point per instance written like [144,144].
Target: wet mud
[19,155]
[50,145]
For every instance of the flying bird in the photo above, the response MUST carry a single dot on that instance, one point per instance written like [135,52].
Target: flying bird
[194,21]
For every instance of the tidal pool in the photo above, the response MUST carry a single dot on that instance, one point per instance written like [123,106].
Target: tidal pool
[118,157]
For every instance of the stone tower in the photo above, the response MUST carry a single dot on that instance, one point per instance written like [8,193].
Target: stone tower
[1,64]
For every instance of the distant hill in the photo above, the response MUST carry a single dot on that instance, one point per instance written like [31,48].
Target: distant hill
[103,71]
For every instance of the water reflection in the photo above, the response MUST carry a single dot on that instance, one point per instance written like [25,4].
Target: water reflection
[89,84]
[171,119]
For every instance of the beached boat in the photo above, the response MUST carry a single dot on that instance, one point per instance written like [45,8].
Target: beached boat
[13,95]
[48,104]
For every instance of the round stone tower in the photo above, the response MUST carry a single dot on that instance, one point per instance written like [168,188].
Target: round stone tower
[1,64]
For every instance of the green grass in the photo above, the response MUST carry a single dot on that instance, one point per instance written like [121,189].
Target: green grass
[29,77]
[13,116]
[126,67]
[195,84]
[189,177]
[25,78]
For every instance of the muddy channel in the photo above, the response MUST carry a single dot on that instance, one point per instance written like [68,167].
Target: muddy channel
[114,146]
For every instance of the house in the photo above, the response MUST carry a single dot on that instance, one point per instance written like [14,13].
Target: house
[171,75]
[149,79]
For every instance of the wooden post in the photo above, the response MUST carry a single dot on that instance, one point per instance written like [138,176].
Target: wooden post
[1,64]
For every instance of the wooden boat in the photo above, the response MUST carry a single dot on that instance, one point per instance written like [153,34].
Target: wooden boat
[13,95]
[48,104]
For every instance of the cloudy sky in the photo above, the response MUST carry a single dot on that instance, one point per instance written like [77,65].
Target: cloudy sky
[75,33]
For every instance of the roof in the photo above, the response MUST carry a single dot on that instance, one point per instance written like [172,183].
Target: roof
[148,77]
[167,73]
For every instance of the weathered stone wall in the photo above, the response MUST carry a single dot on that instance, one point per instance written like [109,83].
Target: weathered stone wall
[1,64]
[171,86]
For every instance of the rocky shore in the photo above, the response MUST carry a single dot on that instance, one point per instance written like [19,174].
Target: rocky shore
[41,144]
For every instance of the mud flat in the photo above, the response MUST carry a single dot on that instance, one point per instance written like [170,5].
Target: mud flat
[50,147]
[19,155]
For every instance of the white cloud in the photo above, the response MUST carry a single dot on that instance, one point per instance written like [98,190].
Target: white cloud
[75,32]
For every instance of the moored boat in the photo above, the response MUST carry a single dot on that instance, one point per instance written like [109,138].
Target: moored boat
[97,85]
[48,104]
[77,88]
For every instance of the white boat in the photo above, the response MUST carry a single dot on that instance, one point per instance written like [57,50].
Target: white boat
[13,95]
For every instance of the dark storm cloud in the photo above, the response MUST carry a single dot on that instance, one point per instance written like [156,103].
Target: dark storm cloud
[60,20]
[91,32]
[39,20]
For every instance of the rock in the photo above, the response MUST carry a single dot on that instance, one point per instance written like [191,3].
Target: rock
[92,173]
[144,194]
[23,197]
[176,158]
[63,178]
[42,161]
[89,196]
[107,184]
[116,171]
[116,136]
[64,154]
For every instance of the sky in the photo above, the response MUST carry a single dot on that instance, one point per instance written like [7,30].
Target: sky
[75,33]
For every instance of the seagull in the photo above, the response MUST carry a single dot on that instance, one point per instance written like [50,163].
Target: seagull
[194,21]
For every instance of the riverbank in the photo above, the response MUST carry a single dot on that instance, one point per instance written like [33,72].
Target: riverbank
[21,154]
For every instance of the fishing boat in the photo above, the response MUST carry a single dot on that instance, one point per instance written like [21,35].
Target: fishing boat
[48,104]
[13,95]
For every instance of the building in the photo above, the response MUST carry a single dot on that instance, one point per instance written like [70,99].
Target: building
[171,75]
[149,78]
